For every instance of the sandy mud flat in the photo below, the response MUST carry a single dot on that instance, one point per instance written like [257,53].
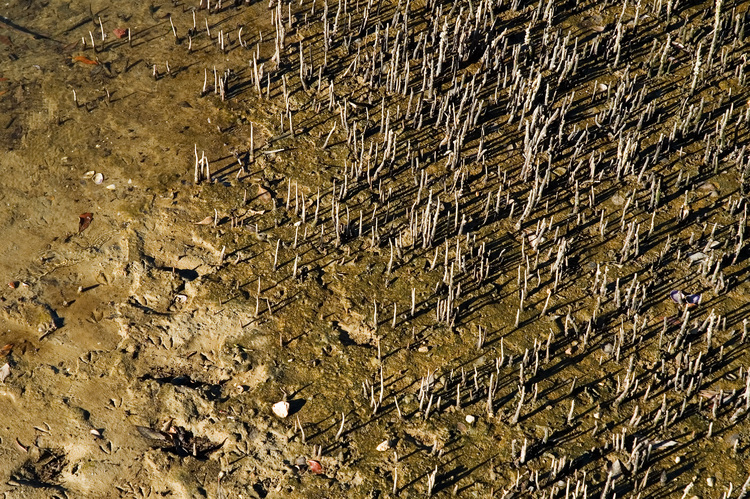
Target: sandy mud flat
[374,248]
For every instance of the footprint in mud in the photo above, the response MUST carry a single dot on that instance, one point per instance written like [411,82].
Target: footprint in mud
[42,469]
[180,441]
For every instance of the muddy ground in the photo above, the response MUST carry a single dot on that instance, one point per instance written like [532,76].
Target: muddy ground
[154,311]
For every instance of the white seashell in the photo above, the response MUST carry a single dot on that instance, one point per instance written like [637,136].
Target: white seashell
[383,446]
[89,174]
[281,409]
[111,187]
[4,372]
[470,419]
[98,178]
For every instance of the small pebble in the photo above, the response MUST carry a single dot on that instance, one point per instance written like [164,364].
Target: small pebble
[470,419]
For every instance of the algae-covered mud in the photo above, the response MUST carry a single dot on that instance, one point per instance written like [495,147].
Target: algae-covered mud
[374,248]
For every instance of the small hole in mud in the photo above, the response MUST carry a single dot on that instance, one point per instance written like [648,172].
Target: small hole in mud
[260,489]
[188,274]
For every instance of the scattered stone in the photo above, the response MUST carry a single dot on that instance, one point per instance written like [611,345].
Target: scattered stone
[281,409]
[616,468]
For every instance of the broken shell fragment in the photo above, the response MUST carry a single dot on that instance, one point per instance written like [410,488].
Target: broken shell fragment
[383,446]
[281,409]
[616,469]
[205,221]
[681,298]
[696,257]
[677,296]
[693,300]
[84,220]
